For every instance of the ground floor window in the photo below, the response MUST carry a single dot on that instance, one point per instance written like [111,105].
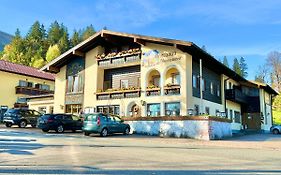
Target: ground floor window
[42,109]
[230,114]
[196,109]
[172,109]
[153,109]
[73,109]
[109,109]
[207,110]
[237,117]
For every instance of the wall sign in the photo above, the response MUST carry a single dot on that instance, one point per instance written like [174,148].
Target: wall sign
[155,57]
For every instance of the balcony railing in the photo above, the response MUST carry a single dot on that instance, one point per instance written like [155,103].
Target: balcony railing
[119,59]
[118,94]
[153,91]
[31,91]
[235,95]
[172,89]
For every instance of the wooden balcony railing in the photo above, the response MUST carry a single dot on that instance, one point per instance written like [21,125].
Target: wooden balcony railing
[172,89]
[119,94]
[31,91]
[153,91]
[119,59]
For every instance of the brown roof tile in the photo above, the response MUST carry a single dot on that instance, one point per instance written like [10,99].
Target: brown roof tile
[25,70]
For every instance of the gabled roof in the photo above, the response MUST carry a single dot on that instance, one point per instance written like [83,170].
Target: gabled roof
[266,87]
[186,46]
[25,70]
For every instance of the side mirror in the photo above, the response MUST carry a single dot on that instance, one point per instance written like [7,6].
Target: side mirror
[122,121]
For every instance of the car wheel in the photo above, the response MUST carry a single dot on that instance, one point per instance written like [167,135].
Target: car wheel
[86,134]
[60,129]
[45,130]
[104,132]
[22,124]
[275,131]
[127,131]
[8,125]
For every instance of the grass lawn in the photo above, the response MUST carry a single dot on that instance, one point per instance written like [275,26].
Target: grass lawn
[277,117]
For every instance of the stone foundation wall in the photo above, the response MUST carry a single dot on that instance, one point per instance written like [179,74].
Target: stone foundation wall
[197,129]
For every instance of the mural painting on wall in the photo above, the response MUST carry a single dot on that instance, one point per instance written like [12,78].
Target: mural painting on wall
[154,57]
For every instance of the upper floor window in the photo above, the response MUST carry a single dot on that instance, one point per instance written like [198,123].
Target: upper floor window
[212,88]
[195,82]
[75,83]
[175,78]
[218,90]
[23,83]
[229,85]
[124,83]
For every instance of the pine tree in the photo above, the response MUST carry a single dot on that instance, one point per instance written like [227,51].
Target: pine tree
[75,39]
[89,31]
[236,67]
[54,33]
[243,67]
[225,61]
[64,43]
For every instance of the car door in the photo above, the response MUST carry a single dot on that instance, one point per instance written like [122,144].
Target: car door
[111,124]
[120,126]
[77,122]
[35,116]
[28,115]
[68,122]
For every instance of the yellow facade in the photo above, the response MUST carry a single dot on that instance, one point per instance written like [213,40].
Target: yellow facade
[160,66]
[8,87]
[43,105]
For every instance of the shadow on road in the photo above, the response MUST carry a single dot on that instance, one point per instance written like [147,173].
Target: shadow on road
[94,170]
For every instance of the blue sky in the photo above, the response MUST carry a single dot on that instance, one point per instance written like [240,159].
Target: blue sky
[248,28]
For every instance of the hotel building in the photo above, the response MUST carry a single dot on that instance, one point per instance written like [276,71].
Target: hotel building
[140,76]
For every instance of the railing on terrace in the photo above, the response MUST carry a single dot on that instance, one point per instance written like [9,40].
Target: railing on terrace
[31,91]
[153,91]
[172,89]
[118,94]
[235,95]
[119,59]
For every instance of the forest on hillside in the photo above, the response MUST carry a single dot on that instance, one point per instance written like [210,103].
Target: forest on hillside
[40,45]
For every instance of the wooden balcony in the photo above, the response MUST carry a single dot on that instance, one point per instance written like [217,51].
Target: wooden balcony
[172,89]
[31,91]
[235,95]
[134,93]
[119,60]
[153,91]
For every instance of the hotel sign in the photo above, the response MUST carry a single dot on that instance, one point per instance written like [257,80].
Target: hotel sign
[155,57]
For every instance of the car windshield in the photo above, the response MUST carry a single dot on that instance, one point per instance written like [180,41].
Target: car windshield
[46,116]
[15,111]
[91,117]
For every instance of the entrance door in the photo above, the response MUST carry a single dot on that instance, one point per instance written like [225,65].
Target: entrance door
[252,121]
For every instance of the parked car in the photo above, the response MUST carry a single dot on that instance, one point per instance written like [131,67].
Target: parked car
[276,129]
[59,122]
[104,125]
[21,117]
[3,109]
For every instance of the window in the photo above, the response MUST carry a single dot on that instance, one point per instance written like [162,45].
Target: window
[218,90]
[237,117]
[196,109]
[212,88]
[112,109]
[29,84]
[45,87]
[207,110]
[226,113]
[73,109]
[176,78]
[230,114]
[218,114]
[75,83]
[22,83]
[124,83]
[153,110]
[172,109]
[42,109]
[156,80]
[203,85]
[229,85]
[194,81]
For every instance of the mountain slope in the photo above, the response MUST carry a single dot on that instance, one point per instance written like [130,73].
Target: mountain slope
[4,39]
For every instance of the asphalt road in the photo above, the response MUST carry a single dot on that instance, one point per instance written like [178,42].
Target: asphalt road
[29,151]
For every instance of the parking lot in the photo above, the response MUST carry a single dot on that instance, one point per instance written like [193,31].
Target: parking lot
[30,151]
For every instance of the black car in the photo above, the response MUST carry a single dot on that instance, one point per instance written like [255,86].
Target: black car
[59,122]
[21,117]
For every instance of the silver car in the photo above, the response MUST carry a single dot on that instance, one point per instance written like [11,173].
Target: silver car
[276,129]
